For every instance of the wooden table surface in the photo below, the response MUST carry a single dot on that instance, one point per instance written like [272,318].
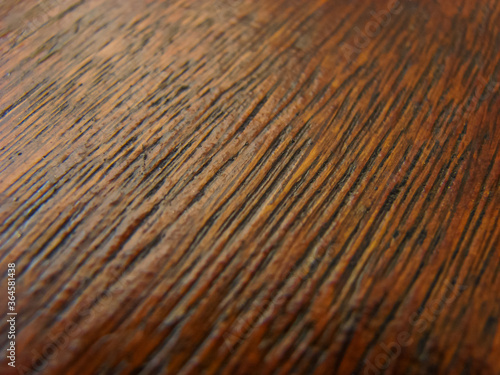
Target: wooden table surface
[250,187]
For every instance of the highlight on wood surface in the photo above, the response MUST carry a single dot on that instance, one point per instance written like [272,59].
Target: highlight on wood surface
[249,187]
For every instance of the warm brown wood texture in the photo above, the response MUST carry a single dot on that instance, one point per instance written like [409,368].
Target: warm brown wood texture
[251,187]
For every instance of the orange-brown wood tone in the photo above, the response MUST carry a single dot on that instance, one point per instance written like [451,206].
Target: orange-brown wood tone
[250,186]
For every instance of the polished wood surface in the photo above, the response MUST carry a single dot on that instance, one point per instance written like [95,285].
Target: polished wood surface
[251,187]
